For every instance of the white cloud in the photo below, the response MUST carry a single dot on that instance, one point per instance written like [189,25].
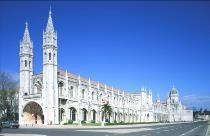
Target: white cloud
[196,101]
[190,99]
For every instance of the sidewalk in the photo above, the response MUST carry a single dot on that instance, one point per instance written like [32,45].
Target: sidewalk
[86,126]
[6,134]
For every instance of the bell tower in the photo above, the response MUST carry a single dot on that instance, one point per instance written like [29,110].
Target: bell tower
[26,67]
[50,96]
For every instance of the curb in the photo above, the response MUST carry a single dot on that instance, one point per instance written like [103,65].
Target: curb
[86,127]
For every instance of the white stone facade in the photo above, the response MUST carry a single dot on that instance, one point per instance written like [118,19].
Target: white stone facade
[55,96]
[172,110]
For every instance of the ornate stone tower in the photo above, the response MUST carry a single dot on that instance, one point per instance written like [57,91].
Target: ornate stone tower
[26,67]
[50,87]
[174,96]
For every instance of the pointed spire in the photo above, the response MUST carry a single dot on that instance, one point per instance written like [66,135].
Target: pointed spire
[158,98]
[26,36]
[50,27]
[50,10]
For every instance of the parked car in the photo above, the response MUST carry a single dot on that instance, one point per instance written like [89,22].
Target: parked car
[10,124]
[0,126]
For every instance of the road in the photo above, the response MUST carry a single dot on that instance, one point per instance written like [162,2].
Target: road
[183,129]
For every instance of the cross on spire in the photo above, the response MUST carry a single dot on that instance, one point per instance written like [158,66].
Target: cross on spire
[50,11]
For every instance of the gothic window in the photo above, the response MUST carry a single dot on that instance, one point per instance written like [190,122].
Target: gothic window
[38,88]
[49,56]
[83,93]
[92,95]
[25,63]
[100,98]
[61,88]
[97,97]
[71,91]
[29,64]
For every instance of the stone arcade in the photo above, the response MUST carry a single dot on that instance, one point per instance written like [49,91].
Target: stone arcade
[55,96]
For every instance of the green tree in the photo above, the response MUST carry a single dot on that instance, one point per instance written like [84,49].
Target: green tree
[8,96]
[107,111]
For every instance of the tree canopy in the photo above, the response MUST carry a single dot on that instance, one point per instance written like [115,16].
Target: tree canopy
[106,110]
[8,96]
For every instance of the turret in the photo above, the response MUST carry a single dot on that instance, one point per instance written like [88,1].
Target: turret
[174,96]
[50,73]
[26,63]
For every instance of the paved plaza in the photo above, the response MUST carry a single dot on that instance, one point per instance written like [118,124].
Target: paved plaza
[175,129]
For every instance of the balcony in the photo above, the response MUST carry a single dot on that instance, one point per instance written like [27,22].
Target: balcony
[32,96]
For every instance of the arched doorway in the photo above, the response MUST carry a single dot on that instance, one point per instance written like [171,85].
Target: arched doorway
[130,117]
[84,113]
[126,117]
[61,114]
[93,115]
[120,117]
[73,114]
[33,114]
[115,116]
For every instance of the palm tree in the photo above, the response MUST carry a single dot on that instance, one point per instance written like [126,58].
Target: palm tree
[106,110]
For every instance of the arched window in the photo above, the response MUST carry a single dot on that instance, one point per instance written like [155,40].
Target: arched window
[83,93]
[25,63]
[49,56]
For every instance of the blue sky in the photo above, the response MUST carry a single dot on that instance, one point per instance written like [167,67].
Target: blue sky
[126,45]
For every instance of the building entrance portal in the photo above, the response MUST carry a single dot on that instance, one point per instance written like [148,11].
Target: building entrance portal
[33,114]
